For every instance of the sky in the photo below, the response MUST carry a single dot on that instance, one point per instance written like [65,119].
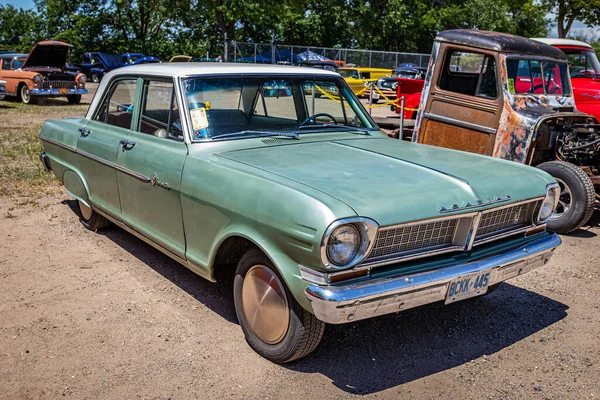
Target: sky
[577,29]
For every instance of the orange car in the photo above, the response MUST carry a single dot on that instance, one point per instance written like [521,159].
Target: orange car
[41,73]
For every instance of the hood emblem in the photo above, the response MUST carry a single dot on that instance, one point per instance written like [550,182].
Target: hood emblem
[478,203]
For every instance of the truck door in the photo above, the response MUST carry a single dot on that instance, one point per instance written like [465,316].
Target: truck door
[463,108]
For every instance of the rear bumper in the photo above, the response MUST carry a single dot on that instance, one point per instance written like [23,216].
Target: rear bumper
[45,161]
[362,300]
[57,92]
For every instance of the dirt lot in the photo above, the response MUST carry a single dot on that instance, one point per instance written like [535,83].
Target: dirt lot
[104,316]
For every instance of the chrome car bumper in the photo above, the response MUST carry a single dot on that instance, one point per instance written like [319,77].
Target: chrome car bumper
[352,302]
[57,92]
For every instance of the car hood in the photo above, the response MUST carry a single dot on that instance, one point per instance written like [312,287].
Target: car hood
[392,181]
[48,54]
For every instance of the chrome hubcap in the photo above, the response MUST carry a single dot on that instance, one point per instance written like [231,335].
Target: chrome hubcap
[86,212]
[265,304]
[564,201]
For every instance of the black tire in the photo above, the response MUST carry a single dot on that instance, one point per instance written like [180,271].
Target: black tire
[374,101]
[90,218]
[578,196]
[95,77]
[74,98]
[304,330]
[25,96]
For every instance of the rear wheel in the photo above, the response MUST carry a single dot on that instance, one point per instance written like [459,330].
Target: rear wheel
[274,324]
[74,99]
[90,218]
[95,77]
[577,196]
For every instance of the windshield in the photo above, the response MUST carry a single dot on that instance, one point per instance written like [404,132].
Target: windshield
[530,76]
[228,106]
[18,63]
[583,62]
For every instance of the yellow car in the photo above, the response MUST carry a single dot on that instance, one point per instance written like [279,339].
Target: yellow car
[357,77]
[180,59]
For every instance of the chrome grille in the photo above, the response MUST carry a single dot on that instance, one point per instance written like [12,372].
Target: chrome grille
[506,219]
[59,85]
[408,239]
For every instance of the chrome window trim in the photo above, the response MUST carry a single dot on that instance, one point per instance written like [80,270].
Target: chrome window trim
[368,231]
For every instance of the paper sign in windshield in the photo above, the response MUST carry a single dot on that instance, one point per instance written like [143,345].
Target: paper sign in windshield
[199,120]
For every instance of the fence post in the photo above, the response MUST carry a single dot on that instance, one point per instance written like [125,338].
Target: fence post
[370,94]
[226,54]
[255,53]
[370,59]
[401,130]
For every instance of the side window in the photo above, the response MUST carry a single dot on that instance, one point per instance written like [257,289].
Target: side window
[473,74]
[117,108]
[365,75]
[160,113]
[5,64]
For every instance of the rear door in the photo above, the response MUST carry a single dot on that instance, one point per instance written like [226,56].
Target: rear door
[99,142]
[464,104]
[154,152]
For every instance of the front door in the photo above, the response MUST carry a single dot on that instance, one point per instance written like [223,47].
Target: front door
[99,142]
[151,158]
[462,110]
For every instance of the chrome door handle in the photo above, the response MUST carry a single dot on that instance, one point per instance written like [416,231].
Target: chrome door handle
[84,131]
[127,145]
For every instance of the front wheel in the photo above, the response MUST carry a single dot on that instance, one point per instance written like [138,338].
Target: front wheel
[274,324]
[74,98]
[577,196]
[25,95]
[95,77]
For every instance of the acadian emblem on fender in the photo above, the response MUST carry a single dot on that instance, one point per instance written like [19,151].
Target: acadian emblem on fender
[155,182]
[478,203]
[594,96]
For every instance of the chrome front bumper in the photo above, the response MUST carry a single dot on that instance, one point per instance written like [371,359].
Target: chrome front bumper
[57,92]
[352,302]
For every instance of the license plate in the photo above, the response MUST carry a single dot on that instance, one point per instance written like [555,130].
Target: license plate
[467,286]
[63,91]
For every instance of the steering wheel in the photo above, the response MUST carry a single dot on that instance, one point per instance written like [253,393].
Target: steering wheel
[314,117]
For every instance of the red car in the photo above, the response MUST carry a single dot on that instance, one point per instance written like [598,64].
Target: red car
[585,73]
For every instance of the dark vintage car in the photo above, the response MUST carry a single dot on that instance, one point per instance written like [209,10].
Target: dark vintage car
[41,73]
[511,97]
[94,64]
[242,174]
[388,85]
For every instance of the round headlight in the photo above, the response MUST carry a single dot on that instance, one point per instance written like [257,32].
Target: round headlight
[549,203]
[81,79]
[343,245]
[38,79]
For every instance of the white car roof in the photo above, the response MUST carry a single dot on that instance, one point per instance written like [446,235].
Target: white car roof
[212,68]
[562,42]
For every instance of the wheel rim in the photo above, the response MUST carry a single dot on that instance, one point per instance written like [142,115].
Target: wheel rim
[86,212]
[265,305]
[25,95]
[95,78]
[564,200]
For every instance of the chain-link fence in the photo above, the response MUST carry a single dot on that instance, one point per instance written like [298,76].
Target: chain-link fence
[283,54]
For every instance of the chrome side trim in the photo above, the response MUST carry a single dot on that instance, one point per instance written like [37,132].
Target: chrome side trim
[460,124]
[337,304]
[102,161]
[478,203]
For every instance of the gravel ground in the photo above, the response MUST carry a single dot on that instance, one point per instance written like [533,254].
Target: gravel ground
[88,315]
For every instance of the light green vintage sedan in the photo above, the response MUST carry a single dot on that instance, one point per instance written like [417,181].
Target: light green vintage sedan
[280,171]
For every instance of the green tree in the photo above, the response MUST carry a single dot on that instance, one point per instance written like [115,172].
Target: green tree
[19,29]
[567,11]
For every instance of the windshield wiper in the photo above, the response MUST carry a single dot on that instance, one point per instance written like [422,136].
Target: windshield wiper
[353,129]
[255,133]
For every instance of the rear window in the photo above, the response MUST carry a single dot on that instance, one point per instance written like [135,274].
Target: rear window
[527,76]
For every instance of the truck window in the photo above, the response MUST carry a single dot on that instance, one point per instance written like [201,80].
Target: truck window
[473,74]
[537,77]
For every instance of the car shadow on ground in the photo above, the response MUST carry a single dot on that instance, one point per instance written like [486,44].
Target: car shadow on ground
[380,353]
